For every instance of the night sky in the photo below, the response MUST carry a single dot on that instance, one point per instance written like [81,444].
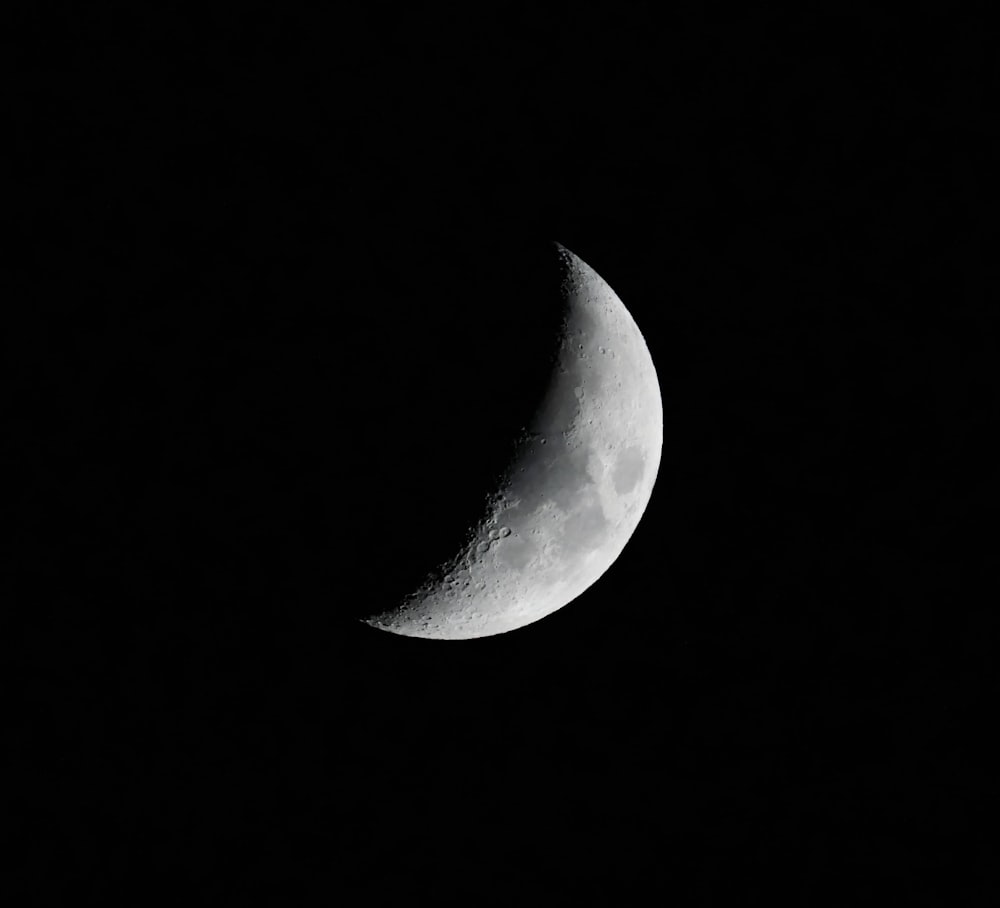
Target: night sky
[266,336]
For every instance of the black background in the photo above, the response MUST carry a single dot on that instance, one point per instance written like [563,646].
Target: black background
[267,315]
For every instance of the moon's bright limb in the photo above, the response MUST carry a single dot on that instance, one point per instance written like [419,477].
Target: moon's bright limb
[574,492]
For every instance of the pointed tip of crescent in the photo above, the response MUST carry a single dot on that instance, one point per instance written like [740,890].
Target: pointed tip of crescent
[568,261]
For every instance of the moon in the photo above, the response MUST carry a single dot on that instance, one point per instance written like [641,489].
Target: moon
[577,484]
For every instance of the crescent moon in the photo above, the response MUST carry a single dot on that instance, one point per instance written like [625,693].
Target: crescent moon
[575,489]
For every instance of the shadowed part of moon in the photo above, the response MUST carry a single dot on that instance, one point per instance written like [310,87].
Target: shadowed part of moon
[578,479]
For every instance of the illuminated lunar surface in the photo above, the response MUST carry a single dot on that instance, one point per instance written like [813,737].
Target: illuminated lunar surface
[574,491]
